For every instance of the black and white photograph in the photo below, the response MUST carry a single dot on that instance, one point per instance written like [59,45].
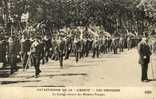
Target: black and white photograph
[78,43]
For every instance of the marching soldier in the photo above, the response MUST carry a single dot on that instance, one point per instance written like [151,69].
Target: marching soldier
[114,45]
[25,48]
[87,47]
[77,48]
[48,45]
[121,44]
[54,49]
[68,47]
[83,42]
[108,44]
[96,47]
[82,47]
[36,52]
[60,50]
[104,45]
[43,54]
[144,58]
[12,54]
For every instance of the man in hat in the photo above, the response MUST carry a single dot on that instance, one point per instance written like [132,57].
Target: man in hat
[144,51]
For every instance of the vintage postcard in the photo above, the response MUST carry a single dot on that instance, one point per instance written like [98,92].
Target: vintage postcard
[73,49]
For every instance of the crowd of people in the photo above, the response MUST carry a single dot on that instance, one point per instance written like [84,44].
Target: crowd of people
[39,49]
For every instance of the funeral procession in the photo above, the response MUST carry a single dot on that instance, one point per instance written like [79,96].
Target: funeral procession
[59,43]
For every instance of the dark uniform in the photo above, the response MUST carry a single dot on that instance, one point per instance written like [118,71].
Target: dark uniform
[12,54]
[25,48]
[144,57]
[78,49]
[43,54]
[108,44]
[60,50]
[83,42]
[36,52]
[54,50]
[121,44]
[48,45]
[68,47]
[87,47]
[114,45]
[96,48]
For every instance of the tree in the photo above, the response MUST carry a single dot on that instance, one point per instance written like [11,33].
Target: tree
[115,15]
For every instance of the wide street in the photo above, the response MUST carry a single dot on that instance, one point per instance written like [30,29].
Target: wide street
[107,71]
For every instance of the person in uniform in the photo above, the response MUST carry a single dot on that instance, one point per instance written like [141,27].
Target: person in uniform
[60,50]
[36,52]
[77,48]
[104,45]
[87,47]
[68,47]
[54,49]
[114,45]
[144,51]
[43,54]
[48,45]
[25,48]
[108,44]
[121,44]
[96,47]
[12,54]
[83,42]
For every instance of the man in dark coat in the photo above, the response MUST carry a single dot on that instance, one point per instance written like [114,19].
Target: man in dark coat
[144,57]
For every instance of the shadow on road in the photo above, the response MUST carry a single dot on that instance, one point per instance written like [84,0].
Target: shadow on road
[11,82]
[81,66]
[50,75]
[152,79]
[5,72]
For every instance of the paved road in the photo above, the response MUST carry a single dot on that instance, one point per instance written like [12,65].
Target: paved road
[108,70]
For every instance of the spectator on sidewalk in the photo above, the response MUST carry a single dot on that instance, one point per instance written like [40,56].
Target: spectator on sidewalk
[144,58]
